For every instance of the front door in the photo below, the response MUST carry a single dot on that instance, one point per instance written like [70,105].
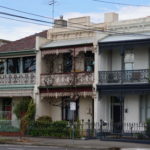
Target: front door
[117,114]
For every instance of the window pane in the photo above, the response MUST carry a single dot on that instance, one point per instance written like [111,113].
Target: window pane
[29,64]
[129,56]
[67,62]
[128,66]
[1,67]
[13,65]
[89,62]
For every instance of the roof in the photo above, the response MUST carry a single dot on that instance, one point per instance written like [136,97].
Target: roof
[126,37]
[65,43]
[27,43]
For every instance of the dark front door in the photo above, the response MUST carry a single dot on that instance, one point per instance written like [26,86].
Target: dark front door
[117,114]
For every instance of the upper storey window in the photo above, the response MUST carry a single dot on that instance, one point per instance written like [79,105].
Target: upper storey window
[13,65]
[67,62]
[89,62]
[1,67]
[29,64]
[129,59]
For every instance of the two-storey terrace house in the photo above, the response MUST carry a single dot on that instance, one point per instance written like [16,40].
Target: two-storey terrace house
[67,71]
[124,75]
[17,73]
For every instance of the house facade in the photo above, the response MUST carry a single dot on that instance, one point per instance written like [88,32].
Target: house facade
[123,75]
[67,73]
[17,74]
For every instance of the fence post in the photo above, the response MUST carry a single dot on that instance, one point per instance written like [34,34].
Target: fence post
[101,129]
[89,128]
[82,126]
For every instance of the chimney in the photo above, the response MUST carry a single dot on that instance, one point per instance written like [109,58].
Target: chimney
[111,17]
[59,23]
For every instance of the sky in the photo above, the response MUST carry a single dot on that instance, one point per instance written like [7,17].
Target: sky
[14,30]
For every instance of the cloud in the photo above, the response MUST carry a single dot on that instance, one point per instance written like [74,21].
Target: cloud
[125,13]
[17,32]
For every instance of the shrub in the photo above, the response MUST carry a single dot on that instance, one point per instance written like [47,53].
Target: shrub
[53,129]
[44,119]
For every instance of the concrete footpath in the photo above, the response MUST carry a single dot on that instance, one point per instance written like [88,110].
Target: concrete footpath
[94,144]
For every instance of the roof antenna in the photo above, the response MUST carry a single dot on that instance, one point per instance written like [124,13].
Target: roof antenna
[52,3]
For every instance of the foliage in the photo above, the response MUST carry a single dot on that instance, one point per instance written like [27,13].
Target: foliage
[29,116]
[53,129]
[44,119]
[148,127]
[21,108]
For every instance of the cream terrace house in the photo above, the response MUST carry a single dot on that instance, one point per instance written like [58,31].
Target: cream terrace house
[67,72]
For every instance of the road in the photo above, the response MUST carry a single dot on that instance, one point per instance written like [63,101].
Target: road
[21,147]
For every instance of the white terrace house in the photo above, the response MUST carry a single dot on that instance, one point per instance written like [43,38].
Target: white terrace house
[123,69]
[17,73]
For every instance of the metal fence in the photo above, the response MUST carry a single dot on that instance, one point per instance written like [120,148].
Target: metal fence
[9,126]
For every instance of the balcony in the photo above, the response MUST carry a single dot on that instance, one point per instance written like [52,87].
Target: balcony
[124,76]
[67,79]
[17,79]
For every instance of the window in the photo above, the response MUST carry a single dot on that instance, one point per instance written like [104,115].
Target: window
[89,62]
[1,67]
[13,65]
[29,64]
[129,60]
[67,62]
[68,114]
[144,107]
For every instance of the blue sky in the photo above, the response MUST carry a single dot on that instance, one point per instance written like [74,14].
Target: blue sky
[12,30]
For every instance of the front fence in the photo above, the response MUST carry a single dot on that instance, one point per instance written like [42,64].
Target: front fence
[79,129]
[87,129]
[9,126]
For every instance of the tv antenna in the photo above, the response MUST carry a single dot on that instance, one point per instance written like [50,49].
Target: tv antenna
[52,3]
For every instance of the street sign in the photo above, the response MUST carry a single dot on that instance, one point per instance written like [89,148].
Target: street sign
[72,106]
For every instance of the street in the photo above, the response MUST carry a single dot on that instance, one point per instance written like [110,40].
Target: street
[25,147]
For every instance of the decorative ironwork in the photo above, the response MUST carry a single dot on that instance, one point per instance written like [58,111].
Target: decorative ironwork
[124,76]
[18,78]
[67,79]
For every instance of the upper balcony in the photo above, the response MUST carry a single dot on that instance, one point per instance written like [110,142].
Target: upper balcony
[17,79]
[67,79]
[124,77]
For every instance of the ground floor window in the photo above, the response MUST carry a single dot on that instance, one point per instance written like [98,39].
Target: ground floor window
[144,108]
[67,113]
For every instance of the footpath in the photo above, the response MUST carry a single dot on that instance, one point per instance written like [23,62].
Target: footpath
[93,144]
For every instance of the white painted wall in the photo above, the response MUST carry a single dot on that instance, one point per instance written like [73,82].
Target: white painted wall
[116,59]
[131,102]
[141,57]
[103,109]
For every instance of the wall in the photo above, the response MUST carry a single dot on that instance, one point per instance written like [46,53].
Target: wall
[141,57]
[85,108]
[131,102]
[116,59]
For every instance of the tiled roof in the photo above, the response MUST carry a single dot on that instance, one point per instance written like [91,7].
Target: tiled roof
[26,43]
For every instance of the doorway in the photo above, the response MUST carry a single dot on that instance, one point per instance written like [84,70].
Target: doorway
[117,114]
